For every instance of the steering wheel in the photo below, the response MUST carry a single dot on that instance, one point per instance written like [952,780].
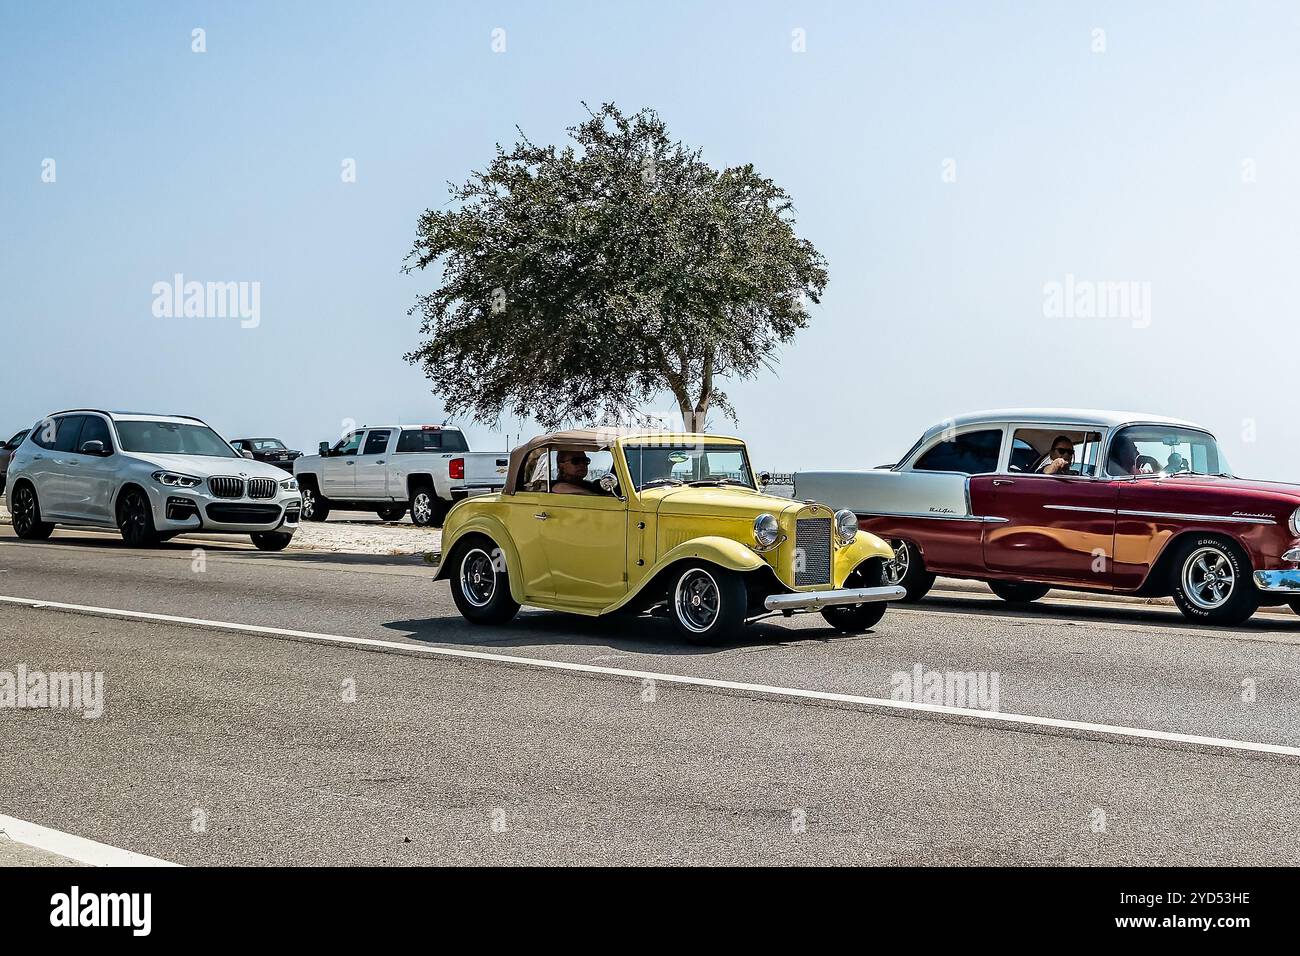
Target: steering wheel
[1146,465]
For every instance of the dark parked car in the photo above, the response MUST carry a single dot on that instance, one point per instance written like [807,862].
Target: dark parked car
[7,452]
[270,450]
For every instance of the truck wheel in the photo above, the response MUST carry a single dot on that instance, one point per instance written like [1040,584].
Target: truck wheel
[907,570]
[427,509]
[856,618]
[1018,592]
[27,515]
[135,519]
[315,506]
[708,604]
[480,584]
[394,513]
[271,540]
[1211,581]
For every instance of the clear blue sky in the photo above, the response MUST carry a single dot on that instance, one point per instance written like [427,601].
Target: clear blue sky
[225,166]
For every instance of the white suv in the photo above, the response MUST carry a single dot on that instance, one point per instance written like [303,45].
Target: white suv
[150,476]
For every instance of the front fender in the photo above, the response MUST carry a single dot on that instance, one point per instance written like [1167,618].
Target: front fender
[493,528]
[715,549]
[864,546]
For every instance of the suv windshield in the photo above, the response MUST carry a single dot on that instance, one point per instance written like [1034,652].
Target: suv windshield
[1164,450]
[688,464]
[172,438]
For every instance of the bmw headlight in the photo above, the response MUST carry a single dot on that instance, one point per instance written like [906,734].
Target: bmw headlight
[766,530]
[846,525]
[173,480]
[1295,522]
[289,484]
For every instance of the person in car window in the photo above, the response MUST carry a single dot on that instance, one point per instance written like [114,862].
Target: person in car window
[571,478]
[1061,457]
[1123,457]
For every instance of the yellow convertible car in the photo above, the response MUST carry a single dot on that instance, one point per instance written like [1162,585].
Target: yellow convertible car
[595,522]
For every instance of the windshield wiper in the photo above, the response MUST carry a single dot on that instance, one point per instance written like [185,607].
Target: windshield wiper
[715,482]
[662,481]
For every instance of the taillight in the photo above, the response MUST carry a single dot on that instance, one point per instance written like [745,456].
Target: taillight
[456,469]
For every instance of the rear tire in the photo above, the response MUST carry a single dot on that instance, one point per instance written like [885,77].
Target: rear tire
[1211,581]
[480,584]
[1018,592]
[708,604]
[271,540]
[856,618]
[135,519]
[315,506]
[907,570]
[395,513]
[27,515]
[427,509]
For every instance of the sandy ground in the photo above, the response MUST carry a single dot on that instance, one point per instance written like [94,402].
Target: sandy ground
[346,532]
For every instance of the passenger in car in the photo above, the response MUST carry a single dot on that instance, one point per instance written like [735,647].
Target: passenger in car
[1060,458]
[1123,457]
[571,478]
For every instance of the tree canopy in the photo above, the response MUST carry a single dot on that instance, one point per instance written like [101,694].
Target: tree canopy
[579,283]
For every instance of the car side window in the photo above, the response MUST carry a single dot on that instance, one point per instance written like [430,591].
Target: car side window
[377,443]
[16,440]
[536,471]
[95,429]
[971,453]
[350,446]
[44,431]
[69,429]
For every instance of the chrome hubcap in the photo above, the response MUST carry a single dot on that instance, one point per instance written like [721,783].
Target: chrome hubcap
[1208,578]
[421,509]
[478,578]
[697,600]
[308,503]
[896,569]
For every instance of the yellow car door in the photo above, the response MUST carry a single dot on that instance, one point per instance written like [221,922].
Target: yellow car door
[586,545]
[525,522]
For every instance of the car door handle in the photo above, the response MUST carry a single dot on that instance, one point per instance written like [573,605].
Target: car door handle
[1002,481]
[351,463]
[379,462]
[541,516]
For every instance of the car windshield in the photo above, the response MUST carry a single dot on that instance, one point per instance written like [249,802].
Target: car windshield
[1164,450]
[266,444]
[654,465]
[172,438]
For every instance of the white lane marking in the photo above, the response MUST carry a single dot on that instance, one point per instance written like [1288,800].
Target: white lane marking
[989,717]
[76,848]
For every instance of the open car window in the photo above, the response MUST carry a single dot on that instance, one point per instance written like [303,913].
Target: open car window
[1035,450]
[970,453]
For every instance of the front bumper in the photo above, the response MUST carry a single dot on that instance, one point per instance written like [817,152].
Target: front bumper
[809,600]
[177,510]
[1284,581]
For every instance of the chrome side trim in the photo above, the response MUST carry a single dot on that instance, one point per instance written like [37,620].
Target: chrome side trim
[1100,511]
[1226,519]
[936,517]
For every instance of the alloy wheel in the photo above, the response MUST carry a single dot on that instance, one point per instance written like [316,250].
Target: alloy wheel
[422,508]
[478,577]
[697,600]
[896,569]
[1208,578]
[24,516]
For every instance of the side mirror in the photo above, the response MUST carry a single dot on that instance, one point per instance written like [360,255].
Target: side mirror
[92,448]
[246,454]
[323,449]
[764,479]
[609,485]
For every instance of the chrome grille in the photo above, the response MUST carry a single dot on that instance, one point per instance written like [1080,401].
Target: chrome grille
[226,487]
[812,551]
[261,487]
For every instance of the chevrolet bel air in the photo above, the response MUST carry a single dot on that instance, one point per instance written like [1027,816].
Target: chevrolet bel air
[1029,500]
[595,522]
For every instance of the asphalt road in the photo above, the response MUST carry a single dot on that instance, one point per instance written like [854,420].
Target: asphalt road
[218,746]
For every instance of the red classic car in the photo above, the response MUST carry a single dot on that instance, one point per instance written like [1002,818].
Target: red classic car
[1086,500]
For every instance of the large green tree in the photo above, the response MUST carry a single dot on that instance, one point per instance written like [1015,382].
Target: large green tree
[582,282]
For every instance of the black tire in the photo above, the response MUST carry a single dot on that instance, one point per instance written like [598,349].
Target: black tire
[1210,579]
[480,583]
[395,513]
[271,540]
[135,519]
[27,514]
[907,570]
[1295,605]
[315,506]
[427,509]
[856,618]
[1018,592]
[707,604]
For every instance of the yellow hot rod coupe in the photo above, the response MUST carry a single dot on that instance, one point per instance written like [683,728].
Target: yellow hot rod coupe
[595,522]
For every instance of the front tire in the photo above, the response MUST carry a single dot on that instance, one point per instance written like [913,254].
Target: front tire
[708,604]
[315,506]
[135,519]
[907,570]
[271,540]
[1211,582]
[27,515]
[856,618]
[480,584]
[1018,592]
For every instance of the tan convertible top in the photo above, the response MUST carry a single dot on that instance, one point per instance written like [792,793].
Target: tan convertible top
[587,439]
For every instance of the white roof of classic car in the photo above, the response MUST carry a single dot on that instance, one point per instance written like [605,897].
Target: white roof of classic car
[1086,417]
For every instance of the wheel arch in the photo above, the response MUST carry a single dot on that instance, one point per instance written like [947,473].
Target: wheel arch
[494,532]
[1157,582]
[710,549]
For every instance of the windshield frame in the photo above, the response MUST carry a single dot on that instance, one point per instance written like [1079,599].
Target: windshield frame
[702,448]
[222,444]
[1115,432]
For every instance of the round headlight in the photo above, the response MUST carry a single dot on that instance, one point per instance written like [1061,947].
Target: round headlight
[766,530]
[846,523]
[1295,522]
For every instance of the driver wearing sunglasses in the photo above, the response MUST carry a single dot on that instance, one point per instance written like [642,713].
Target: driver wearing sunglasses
[571,474]
[1060,458]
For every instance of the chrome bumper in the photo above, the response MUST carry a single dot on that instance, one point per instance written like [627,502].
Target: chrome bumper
[1288,580]
[808,600]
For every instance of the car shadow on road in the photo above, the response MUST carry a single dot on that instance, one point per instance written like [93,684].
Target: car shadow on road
[630,634]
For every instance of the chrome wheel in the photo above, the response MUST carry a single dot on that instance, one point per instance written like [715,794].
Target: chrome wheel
[1208,578]
[896,569]
[697,600]
[308,503]
[478,577]
[24,517]
[422,508]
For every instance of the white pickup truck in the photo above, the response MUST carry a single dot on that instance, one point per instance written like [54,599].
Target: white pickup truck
[388,468]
